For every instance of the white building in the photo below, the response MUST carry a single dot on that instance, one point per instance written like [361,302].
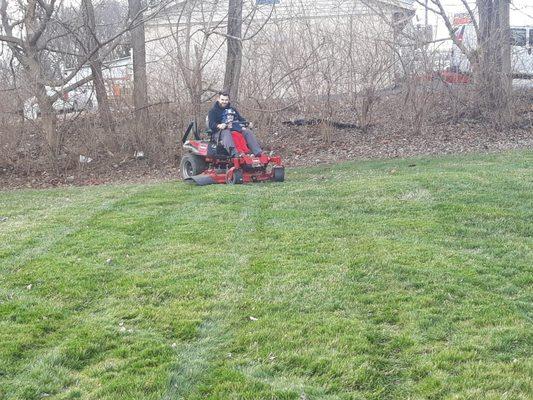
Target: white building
[118,75]
[292,47]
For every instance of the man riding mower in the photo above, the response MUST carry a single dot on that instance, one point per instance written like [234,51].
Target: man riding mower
[231,154]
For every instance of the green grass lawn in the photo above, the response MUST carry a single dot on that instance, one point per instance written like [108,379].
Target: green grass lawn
[370,280]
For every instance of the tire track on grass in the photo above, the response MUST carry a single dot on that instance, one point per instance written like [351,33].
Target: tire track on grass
[194,359]
[69,234]
[51,238]
[47,242]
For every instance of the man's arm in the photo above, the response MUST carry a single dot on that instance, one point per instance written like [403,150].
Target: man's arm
[243,120]
[213,120]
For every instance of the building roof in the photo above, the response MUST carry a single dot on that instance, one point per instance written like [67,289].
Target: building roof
[282,9]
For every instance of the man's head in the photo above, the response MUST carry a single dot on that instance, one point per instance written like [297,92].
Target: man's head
[223,99]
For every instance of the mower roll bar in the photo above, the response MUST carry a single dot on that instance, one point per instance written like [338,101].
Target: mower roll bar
[192,125]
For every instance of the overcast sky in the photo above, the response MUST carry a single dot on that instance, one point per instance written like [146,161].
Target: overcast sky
[521,14]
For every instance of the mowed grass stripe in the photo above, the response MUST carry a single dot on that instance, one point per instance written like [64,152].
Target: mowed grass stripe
[75,272]
[368,280]
[51,218]
[195,358]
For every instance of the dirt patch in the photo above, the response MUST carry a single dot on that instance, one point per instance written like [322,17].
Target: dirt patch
[305,146]
[299,146]
[97,174]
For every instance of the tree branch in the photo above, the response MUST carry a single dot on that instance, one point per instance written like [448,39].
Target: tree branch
[12,40]
[472,17]
[49,10]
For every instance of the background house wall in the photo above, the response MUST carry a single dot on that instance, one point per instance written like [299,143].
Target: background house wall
[296,48]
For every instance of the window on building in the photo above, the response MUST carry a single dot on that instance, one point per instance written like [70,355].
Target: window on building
[531,37]
[259,2]
[518,37]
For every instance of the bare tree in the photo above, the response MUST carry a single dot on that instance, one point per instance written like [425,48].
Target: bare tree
[198,32]
[328,68]
[234,49]
[92,48]
[491,59]
[194,48]
[493,73]
[140,88]
[35,35]
[23,30]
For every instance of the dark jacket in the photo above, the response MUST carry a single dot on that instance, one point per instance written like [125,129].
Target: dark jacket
[218,115]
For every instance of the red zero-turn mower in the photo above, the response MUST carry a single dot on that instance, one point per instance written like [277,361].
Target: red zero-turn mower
[206,161]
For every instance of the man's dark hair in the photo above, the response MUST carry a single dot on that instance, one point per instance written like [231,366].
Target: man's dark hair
[223,93]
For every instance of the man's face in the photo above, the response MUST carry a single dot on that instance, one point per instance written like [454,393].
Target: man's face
[223,101]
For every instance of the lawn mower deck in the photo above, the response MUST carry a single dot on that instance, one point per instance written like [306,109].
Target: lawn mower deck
[206,162]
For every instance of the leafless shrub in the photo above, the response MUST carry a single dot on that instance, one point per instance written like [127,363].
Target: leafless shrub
[361,67]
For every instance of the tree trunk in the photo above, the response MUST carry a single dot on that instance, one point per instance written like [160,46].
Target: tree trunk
[33,68]
[48,114]
[505,40]
[101,96]
[492,75]
[140,91]
[49,122]
[234,51]
[96,67]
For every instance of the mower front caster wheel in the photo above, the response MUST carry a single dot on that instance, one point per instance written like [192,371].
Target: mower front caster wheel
[235,177]
[191,165]
[279,174]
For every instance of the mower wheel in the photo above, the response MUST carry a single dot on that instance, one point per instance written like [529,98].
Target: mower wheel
[236,178]
[191,165]
[279,174]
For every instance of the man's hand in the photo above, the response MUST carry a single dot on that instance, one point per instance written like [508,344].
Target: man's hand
[250,125]
[221,126]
